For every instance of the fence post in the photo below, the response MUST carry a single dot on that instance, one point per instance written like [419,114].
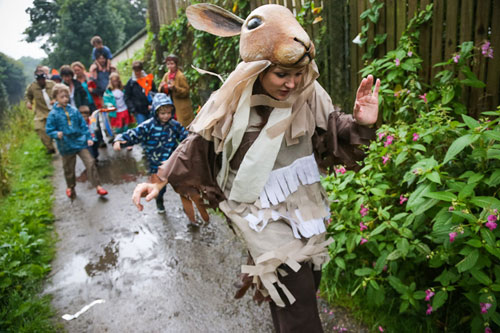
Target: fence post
[493,81]
[334,76]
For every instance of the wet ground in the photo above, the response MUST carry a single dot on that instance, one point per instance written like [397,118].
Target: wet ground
[154,271]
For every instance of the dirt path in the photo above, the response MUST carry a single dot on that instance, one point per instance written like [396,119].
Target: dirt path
[155,273]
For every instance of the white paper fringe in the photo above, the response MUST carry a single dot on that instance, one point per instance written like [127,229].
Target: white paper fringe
[285,181]
[281,184]
[300,228]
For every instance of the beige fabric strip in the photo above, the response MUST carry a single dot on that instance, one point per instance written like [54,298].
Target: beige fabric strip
[269,101]
[236,132]
[254,171]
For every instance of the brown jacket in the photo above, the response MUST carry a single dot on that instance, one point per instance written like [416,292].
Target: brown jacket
[34,95]
[180,95]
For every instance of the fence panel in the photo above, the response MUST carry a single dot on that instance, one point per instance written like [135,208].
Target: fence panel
[493,71]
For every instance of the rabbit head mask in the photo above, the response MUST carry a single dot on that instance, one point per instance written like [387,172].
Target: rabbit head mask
[270,32]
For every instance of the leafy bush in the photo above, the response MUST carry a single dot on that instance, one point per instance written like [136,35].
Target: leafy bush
[415,229]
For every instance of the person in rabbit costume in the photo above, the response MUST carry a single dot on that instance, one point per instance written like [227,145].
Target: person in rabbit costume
[254,151]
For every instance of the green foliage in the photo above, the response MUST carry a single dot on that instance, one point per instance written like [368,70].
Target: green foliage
[416,227]
[371,17]
[25,228]
[12,80]
[29,65]
[69,25]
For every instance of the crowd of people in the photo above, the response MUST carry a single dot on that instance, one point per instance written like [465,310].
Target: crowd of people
[82,111]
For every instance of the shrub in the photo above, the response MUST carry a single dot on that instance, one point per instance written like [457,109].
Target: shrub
[415,229]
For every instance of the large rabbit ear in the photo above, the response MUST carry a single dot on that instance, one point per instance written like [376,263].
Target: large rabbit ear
[214,19]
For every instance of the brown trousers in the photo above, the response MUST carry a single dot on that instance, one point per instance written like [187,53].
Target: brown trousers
[301,316]
[69,162]
[40,130]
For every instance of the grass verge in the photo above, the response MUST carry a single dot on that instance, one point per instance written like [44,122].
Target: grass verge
[26,237]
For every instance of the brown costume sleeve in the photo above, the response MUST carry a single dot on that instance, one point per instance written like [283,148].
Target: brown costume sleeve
[192,170]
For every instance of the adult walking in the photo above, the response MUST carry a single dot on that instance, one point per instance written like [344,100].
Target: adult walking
[254,151]
[137,93]
[37,97]
[77,94]
[174,83]
[82,76]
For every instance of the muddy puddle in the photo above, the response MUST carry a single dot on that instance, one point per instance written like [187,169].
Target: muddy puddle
[155,272]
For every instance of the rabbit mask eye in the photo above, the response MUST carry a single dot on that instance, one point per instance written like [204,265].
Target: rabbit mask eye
[254,23]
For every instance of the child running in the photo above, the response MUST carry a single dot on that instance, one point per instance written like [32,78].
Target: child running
[66,125]
[114,95]
[159,136]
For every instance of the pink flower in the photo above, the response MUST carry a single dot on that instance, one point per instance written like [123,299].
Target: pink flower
[429,309]
[423,97]
[487,50]
[484,307]
[416,136]
[428,294]
[492,218]
[363,240]
[381,329]
[364,210]
[396,94]
[451,208]
[452,236]
[488,330]
[456,58]
[491,225]
[397,62]
[409,54]
[342,170]
[402,199]
[388,141]
[385,159]
[362,226]
[381,135]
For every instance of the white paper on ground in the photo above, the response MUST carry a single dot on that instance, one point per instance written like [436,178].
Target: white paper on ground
[84,309]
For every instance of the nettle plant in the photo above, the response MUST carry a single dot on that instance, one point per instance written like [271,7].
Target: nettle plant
[416,228]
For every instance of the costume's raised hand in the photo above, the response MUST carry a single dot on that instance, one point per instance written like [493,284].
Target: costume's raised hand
[366,104]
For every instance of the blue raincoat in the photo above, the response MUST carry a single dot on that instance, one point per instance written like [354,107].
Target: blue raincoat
[71,123]
[158,140]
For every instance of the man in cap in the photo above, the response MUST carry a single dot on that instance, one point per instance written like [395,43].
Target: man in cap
[38,99]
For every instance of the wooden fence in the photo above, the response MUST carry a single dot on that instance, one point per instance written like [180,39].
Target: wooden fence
[340,60]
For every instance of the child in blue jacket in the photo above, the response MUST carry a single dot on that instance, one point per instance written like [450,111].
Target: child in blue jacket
[66,125]
[159,136]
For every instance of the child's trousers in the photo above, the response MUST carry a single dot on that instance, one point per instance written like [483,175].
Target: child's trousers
[69,162]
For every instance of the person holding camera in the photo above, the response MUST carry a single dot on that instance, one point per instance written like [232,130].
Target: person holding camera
[37,97]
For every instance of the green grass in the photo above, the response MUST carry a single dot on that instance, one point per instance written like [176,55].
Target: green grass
[26,232]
